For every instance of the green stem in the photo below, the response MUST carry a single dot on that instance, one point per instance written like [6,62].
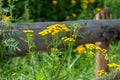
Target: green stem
[60,67]
[33,67]
[1,8]
[43,71]
[69,53]
[87,67]
[10,4]
[74,62]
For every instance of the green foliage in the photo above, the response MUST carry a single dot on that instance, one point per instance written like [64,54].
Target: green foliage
[57,64]
[114,6]
[8,43]
[59,10]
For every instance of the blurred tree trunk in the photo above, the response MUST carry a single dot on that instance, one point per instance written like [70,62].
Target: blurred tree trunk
[101,62]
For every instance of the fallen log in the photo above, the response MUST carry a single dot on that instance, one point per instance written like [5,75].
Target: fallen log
[92,31]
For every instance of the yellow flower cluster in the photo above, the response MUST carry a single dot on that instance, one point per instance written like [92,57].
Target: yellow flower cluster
[90,46]
[54,2]
[85,3]
[91,53]
[98,9]
[54,29]
[68,39]
[89,49]
[101,73]
[80,49]
[117,66]
[94,47]
[84,6]
[67,17]
[74,15]
[28,31]
[73,2]
[91,1]
[6,18]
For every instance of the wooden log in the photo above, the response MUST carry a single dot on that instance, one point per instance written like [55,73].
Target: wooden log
[92,31]
[101,62]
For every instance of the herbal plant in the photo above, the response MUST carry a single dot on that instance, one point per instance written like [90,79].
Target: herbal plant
[31,50]
[63,60]
[8,42]
[56,31]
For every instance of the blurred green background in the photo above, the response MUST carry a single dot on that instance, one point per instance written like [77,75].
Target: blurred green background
[58,10]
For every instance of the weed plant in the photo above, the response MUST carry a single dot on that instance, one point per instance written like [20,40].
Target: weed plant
[59,10]
[69,62]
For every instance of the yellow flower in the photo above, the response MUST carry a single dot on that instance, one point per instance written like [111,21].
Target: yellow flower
[90,46]
[101,73]
[44,32]
[80,49]
[85,1]
[54,2]
[54,29]
[91,53]
[55,32]
[73,2]
[112,65]
[6,18]
[118,68]
[67,17]
[67,39]
[74,15]
[65,29]
[98,48]
[28,31]
[91,1]
[98,9]
[118,65]
[84,6]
